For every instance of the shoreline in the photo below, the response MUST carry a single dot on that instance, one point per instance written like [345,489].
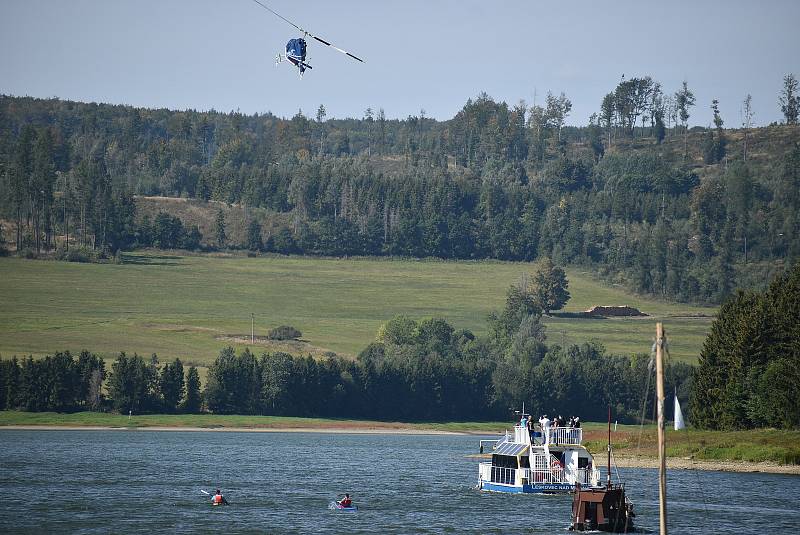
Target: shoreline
[685,463]
[673,463]
[377,430]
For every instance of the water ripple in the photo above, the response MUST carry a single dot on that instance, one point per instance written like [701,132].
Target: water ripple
[144,482]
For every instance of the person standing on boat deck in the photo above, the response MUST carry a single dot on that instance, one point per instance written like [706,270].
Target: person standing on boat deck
[544,421]
[557,422]
[523,422]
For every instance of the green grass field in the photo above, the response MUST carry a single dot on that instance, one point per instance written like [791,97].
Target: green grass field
[179,306]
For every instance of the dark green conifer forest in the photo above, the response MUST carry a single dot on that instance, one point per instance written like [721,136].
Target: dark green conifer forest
[686,214]
[749,371]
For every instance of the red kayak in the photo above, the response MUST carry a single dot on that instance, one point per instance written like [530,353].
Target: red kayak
[339,507]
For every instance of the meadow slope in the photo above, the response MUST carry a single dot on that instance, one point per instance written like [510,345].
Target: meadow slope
[191,306]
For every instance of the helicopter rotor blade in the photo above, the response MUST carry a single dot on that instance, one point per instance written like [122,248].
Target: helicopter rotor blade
[279,15]
[324,42]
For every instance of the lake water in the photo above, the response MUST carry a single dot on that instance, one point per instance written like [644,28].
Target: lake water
[148,481]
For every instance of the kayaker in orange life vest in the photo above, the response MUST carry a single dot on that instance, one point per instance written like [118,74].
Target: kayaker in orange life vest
[346,501]
[218,499]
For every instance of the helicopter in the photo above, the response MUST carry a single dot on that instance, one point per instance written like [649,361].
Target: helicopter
[296,49]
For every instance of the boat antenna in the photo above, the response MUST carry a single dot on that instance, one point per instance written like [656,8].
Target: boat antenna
[608,479]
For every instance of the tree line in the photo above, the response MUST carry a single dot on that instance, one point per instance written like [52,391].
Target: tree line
[66,383]
[495,181]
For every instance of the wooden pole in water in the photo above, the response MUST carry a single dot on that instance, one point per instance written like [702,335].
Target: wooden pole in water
[662,470]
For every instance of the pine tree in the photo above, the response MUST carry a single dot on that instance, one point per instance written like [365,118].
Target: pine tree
[12,384]
[747,121]
[721,141]
[254,242]
[660,131]
[21,171]
[222,238]
[41,185]
[130,384]
[789,99]
[607,115]
[171,385]
[321,113]
[684,100]
[192,401]
[550,283]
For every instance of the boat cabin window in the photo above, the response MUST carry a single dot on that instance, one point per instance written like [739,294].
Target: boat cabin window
[504,461]
[524,461]
[583,462]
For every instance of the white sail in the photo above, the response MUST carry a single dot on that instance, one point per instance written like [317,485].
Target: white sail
[679,422]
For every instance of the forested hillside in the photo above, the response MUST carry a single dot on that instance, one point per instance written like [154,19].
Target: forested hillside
[682,213]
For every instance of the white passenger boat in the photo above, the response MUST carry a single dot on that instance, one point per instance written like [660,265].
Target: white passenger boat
[530,461]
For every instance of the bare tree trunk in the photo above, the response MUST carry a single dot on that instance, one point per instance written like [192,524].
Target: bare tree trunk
[685,141]
[744,151]
[385,224]
[105,225]
[36,226]
[47,228]
[19,227]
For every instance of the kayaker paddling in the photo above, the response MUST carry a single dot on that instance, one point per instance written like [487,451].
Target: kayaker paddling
[344,504]
[218,499]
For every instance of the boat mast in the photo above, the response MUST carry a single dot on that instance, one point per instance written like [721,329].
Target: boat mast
[608,478]
[662,468]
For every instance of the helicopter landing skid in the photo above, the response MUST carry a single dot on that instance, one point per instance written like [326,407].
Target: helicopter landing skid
[301,65]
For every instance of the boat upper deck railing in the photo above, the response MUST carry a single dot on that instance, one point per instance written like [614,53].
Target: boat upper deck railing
[566,436]
[557,436]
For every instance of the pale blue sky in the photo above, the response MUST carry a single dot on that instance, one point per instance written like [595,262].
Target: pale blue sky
[430,54]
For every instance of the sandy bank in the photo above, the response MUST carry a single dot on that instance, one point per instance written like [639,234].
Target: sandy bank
[335,430]
[674,463]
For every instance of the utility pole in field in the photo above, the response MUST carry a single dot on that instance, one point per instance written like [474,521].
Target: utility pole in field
[252,328]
